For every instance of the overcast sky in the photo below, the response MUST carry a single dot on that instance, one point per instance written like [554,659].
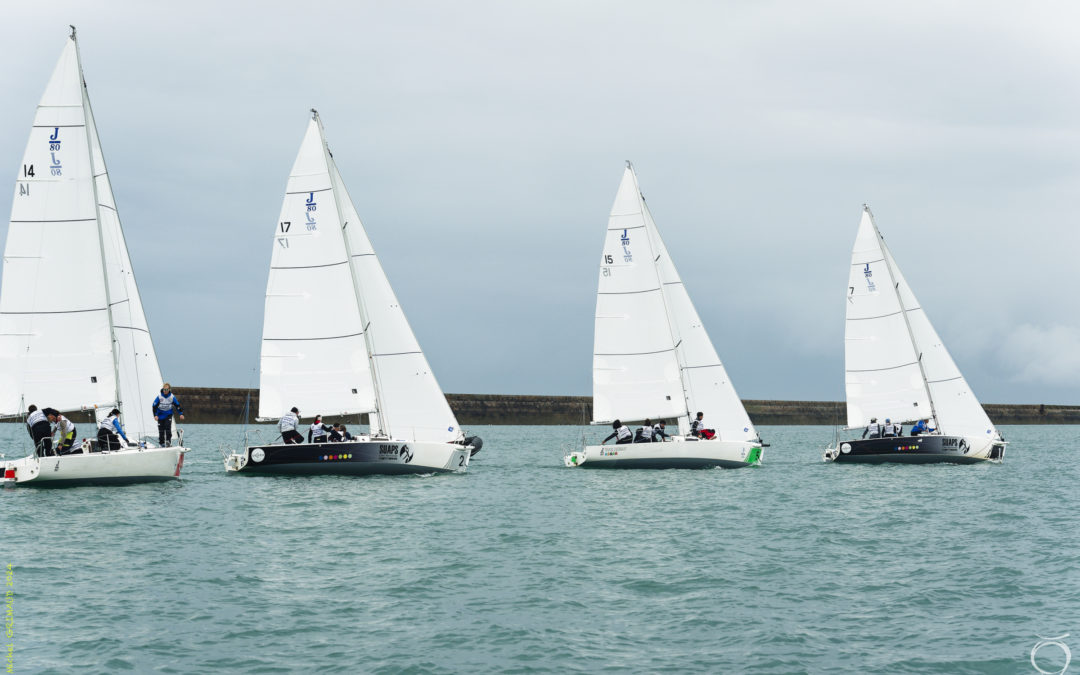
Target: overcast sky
[483,143]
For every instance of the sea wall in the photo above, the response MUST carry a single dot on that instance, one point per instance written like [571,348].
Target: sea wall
[226,406]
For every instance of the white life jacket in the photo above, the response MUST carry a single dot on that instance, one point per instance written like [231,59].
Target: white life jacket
[646,433]
[317,431]
[288,422]
[107,423]
[165,403]
[623,432]
[874,428]
[697,425]
[35,417]
[889,430]
[64,426]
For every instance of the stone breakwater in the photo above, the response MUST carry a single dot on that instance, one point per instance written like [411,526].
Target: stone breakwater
[226,406]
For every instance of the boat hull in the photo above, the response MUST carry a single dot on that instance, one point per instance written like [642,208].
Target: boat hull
[918,450]
[678,453]
[130,465]
[352,458]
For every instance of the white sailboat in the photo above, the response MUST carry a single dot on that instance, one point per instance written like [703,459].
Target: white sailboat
[336,342]
[73,335]
[897,368]
[653,359]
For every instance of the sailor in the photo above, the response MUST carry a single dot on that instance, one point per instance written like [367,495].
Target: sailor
[659,434]
[66,429]
[317,431]
[165,405]
[622,434]
[889,431]
[287,425]
[345,435]
[874,429]
[919,428]
[645,433]
[335,434]
[697,425]
[38,427]
[899,429]
[110,432]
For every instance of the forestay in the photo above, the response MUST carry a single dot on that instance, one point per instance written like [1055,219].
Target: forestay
[65,264]
[313,354]
[882,350]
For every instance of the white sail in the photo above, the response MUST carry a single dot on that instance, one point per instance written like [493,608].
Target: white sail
[635,368]
[411,404]
[884,377]
[137,364]
[313,347]
[957,410]
[55,337]
[706,383]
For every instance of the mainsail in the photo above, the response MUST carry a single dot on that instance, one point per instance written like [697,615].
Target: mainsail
[652,357]
[896,365]
[73,334]
[381,368]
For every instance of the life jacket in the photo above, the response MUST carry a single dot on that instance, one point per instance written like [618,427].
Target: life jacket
[36,417]
[889,431]
[165,403]
[623,432]
[317,430]
[64,426]
[874,428]
[646,433]
[110,424]
[288,422]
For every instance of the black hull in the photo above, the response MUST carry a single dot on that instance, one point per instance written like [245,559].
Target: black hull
[915,450]
[362,458]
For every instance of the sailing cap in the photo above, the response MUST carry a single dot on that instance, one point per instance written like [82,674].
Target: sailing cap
[887,420]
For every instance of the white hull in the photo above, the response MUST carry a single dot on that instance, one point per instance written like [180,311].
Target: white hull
[130,465]
[358,457]
[678,453]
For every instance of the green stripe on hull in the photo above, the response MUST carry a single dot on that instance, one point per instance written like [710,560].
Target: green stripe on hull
[754,457]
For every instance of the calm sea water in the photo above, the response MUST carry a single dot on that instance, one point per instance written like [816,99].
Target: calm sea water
[523,566]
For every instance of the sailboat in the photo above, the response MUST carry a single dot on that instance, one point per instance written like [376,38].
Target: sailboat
[653,359]
[336,342]
[73,335]
[897,368]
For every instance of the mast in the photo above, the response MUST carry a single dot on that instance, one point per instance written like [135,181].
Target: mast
[101,236]
[903,312]
[384,428]
[663,296]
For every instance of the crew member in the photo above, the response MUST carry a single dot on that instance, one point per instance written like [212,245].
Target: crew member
[697,425]
[38,427]
[335,434]
[919,428]
[659,429]
[110,431]
[287,425]
[622,434]
[890,429]
[345,435]
[317,431]
[874,429]
[645,433]
[66,429]
[165,405]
